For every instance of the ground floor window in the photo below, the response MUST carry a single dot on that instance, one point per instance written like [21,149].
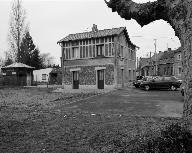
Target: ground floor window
[44,76]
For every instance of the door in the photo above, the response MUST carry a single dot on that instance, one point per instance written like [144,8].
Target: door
[28,79]
[100,79]
[122,77]
[75,80]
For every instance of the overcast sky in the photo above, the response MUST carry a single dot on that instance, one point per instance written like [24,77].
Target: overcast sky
[51,20]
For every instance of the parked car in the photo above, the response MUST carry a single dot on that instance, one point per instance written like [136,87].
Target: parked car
[141,79]
[182,89]
[161,83]
[136,83]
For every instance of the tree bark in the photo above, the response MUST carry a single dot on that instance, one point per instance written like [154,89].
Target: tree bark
[178,13]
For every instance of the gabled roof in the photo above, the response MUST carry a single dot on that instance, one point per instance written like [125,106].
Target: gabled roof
[17,65]
[96,34]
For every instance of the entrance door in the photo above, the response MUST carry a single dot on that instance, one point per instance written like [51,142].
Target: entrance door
[122,75]
[100,79]
[75,80]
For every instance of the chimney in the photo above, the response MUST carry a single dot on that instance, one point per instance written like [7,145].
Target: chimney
[169,49]
[94,28]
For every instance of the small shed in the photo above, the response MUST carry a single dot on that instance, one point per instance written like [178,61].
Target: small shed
[42,76]
[17,74]
[47,75]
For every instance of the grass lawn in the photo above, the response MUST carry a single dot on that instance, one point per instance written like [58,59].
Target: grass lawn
[35,120]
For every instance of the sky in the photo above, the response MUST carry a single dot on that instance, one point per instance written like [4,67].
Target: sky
[52,20]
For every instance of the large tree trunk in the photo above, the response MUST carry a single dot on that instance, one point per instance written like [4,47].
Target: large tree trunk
[178,13]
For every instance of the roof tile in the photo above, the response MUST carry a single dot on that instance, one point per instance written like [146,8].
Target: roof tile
[91,34]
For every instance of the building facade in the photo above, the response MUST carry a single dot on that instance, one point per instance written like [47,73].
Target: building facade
[177,66]
[169,63]
[98,59]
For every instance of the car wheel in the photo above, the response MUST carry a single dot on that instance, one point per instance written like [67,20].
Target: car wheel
[173,88]
[147,87]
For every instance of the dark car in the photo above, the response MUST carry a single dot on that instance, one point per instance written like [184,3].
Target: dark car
[182,89]
[161,83]
[136,83]
[141,79]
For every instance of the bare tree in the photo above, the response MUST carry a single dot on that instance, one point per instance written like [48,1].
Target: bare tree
[178,13]
[16,28]
[47,59]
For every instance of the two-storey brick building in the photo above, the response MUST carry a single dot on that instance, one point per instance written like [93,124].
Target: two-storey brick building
[98,59]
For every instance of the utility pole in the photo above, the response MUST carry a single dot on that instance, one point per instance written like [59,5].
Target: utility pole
[155,56]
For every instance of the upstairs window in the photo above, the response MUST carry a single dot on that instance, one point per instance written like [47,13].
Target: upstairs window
[179,70]
[179,57]
[75,53]
[100,50]
[121,51]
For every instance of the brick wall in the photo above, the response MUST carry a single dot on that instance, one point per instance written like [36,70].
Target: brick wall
[87,72]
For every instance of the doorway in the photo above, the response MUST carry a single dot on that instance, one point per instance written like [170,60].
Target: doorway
[75,80]
[100,79]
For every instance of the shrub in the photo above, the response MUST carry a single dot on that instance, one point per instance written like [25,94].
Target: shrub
[175,138]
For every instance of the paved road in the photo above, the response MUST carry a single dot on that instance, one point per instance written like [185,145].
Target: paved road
[132,101]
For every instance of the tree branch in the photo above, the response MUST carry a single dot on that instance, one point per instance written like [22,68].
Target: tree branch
[142,13]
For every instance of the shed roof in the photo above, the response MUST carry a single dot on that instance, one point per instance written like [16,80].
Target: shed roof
[18,65]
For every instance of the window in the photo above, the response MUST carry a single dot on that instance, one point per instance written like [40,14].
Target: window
[105,39]
[44,76]
[106,49]
[75,53]
[93,50]
[109,49]
[109,39]
[97,40]
[112,39]
[87,52]
[90,51]
[83,51]
[121,51]
[112,49]
[171,70]
[100,50]
[179,70]
[179,57]
[102,40]
[67,53]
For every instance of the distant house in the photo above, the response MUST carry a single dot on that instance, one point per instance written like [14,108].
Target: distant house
[47,75]
[98,59]
[168,63]
[177,66]
[17,74]
[148,65]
